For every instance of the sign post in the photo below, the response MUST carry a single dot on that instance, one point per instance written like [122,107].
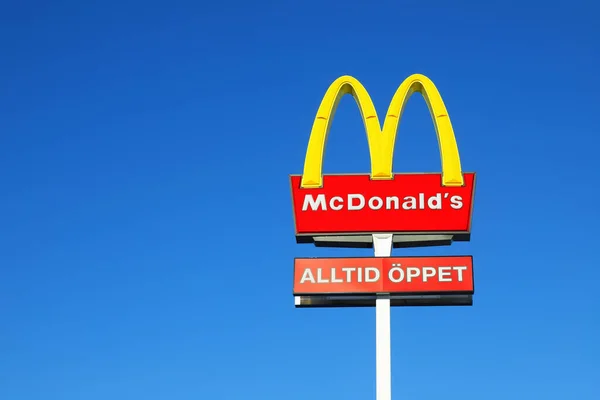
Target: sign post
[383,210]
[383,248]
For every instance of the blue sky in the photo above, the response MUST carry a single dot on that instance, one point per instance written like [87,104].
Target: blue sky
[139,140]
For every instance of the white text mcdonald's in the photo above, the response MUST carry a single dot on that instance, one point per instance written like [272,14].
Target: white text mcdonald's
[382,201]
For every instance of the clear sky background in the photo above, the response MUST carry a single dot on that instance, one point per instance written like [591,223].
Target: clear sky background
[146,229]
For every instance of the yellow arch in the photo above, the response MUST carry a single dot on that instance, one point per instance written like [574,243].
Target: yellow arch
[381,142]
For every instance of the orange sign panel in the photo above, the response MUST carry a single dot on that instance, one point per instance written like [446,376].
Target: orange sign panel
[409,275]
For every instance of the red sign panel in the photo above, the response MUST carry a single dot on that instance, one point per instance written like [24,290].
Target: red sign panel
[414,275]
[408,203]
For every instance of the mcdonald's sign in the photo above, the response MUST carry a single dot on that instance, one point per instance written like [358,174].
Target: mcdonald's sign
[418,208]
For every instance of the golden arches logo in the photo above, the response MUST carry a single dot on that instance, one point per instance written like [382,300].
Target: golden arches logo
[381,141]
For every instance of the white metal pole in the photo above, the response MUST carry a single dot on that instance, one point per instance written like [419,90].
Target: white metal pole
[382,243]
